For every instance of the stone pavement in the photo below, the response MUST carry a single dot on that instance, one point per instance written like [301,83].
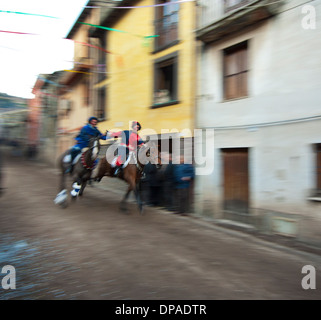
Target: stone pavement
[114,185]
[119,187]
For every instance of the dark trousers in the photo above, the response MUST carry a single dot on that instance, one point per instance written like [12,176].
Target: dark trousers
[168,195]
[182,197]
[144,192]
[155,195]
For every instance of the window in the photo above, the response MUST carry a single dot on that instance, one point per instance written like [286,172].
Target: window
[86,94]
[236,71]
[318,168]
[65,106]
[166,23]
[165,80]
[102,58]
[101,108]
[230,5]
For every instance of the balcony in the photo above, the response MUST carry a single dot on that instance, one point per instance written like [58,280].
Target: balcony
[166,26]
[221,18]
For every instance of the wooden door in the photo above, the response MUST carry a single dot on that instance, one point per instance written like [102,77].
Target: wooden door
[236,179]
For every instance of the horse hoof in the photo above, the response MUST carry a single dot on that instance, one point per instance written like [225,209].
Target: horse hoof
[64,205]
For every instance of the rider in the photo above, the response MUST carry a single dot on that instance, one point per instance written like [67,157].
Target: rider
[87,131]
[129,142]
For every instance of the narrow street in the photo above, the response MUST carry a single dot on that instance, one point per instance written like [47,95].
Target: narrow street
[92,250]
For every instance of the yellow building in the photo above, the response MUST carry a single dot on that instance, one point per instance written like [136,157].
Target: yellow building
[150,73]
[137,63]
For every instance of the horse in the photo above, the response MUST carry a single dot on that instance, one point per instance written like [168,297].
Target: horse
[81,172]
[131,172]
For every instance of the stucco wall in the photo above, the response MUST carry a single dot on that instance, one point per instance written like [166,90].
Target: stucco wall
[130,72]
[279,121]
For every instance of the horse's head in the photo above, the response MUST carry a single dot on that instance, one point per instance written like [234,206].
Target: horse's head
[94,146]
[149,153]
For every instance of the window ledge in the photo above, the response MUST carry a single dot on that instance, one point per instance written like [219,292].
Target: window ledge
[316,199]
[235,99]
[166,46]
[165,104]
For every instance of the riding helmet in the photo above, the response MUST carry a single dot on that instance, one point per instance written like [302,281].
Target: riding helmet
[92,118]
[136,123]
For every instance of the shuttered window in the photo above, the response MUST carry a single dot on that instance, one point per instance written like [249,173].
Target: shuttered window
[236,71]
[101,107]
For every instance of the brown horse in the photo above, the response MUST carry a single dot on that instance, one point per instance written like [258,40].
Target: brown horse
[132,172]
[81,172]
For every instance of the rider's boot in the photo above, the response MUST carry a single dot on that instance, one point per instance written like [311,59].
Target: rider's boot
[73,154]
[70,168]
[118,171]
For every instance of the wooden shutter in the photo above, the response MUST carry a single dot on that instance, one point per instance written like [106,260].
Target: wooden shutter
[236,71]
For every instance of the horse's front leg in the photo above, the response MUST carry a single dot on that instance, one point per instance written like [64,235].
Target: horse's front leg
[84,180]
[62,181]
[123,206]
[76,187]
[61,198]
[83,186]
[138,199]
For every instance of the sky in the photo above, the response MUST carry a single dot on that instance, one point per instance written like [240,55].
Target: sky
[24,57]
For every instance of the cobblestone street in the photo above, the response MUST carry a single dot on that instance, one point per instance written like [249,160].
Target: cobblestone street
[91,250]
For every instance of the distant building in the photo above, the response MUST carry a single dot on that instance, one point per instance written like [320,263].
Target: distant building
[13,121]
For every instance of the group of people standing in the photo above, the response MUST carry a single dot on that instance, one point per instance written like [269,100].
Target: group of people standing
[170,186]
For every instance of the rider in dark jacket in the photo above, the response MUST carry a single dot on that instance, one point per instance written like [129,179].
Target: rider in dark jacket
[88,131]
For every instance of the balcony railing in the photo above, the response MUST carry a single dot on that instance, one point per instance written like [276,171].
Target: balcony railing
[230,5]
[167,29]
[213,10]
[219,18]
[209,11]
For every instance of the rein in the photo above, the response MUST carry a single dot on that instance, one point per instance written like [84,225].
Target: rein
[139,167]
